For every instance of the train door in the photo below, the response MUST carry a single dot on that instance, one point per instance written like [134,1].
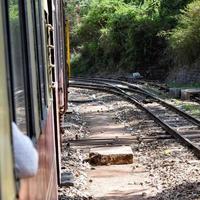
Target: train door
[53,67]
[59,73]
[60,54]
[7,181]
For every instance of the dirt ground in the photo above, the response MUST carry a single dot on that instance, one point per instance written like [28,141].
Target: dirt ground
[162,168]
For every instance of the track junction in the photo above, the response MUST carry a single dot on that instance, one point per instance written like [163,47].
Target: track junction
[176,122]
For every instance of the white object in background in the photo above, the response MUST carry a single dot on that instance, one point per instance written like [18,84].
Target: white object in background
[136,75]
[25,154]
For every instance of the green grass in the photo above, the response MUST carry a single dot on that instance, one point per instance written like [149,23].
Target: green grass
[156,92]
[189,107]
[193,109]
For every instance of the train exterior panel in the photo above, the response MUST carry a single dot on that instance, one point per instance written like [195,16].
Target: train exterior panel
[33,60]
[44,184]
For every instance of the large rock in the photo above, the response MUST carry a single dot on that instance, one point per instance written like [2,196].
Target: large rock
[111,156]
[186,94]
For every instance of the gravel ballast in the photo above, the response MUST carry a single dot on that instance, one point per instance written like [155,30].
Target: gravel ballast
[173,171]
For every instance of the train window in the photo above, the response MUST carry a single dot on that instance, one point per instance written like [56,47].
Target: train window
[32,67]
[17,65]
[24,67]
[39,57]
[36,11]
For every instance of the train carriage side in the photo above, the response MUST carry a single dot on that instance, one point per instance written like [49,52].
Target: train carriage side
[33,93]
[7,185]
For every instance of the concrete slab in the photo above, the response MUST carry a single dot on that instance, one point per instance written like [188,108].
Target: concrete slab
[186,94]
[118,182]
[113,150]
[111,155]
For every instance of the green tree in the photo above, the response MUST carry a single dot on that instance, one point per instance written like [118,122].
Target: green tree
[185,38]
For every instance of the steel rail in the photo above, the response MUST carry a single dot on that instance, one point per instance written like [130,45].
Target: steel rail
[133,88]
[196,99]
[120,92]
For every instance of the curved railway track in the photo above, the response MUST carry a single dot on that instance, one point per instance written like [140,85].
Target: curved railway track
[137,89]
[176,122]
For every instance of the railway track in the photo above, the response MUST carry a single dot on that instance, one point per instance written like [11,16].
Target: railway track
[196,99]
[176,122]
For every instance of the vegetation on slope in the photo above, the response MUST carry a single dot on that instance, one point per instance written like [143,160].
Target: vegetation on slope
[133,35]
[185,38]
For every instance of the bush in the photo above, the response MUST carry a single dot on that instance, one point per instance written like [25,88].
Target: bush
[185,38]
[131,34]
[115,34]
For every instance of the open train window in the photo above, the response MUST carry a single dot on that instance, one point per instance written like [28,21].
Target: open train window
[17,63]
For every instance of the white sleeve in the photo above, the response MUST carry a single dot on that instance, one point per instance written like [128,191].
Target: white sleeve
[25,154]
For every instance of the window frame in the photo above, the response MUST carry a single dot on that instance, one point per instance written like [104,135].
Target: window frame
[35,115]
[39,43]
[34,67]
[31,69]
[29,128]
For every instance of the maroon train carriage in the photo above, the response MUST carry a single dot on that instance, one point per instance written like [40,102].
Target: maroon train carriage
[33,74]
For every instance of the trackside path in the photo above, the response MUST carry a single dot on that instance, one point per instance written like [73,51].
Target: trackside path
[162,168]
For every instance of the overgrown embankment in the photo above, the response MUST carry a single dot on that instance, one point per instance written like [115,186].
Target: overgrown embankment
[149,36]
[184,42]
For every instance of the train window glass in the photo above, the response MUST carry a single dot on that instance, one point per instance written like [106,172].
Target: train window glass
[38,60]
[39,49]
[17,65]
[32,68]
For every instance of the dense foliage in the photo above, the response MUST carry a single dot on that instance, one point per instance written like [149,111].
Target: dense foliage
[132,35]
[185,38]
